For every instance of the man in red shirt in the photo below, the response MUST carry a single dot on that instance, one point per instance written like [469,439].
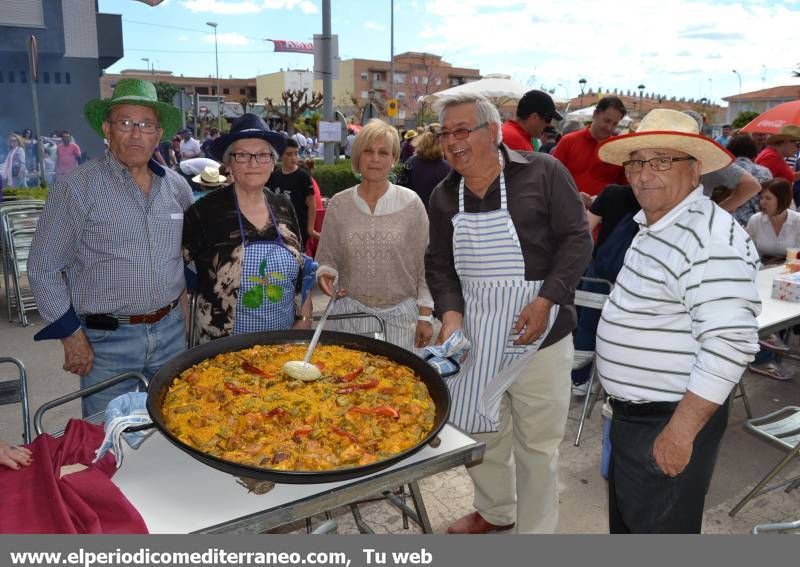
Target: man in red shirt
[68,154]
[535,110]
[780,146]
[578,150]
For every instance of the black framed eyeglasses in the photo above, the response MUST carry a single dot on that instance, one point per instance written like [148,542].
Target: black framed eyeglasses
[127,125]
[663,163]
[459,133]
[247,157]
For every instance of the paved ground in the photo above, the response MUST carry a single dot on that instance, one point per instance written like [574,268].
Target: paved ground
[742,461]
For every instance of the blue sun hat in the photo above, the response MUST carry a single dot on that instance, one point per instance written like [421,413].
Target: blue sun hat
[245,127]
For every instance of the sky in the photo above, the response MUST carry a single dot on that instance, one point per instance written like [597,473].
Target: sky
[681,48]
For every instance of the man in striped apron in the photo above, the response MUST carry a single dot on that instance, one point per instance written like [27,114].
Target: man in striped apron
[509,241]
[678,330]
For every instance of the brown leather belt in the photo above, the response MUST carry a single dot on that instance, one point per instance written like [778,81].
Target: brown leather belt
[147,318]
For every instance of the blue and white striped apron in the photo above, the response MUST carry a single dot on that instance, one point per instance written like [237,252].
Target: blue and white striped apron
[270,265]
[491,268]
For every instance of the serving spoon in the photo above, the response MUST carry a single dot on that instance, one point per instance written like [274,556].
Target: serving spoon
[303,369]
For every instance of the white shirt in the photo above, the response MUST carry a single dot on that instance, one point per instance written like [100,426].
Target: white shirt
[767,242]
[682,314]
[395,199]
[190,148]
[193,166]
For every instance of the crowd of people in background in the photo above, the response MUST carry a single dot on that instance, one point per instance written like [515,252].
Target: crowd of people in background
[20,164]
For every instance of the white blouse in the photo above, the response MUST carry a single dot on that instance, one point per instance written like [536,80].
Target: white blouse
[767,242]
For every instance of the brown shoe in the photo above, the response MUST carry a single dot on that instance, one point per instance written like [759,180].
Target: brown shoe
[475,524]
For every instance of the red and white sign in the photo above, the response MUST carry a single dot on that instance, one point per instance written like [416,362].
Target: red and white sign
[289,46]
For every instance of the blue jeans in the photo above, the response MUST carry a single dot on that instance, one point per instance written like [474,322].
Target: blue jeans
[131,348]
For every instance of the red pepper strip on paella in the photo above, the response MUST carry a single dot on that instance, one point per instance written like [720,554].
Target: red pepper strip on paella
[252,369]
[363,386]
[344,433]
[350,376]
[237,389]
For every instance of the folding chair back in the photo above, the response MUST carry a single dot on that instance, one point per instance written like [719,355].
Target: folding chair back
[15,391]
[18,225]
[781,429]
[589,300]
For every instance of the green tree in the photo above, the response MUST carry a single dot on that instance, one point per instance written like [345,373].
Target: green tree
[166,91]
[743,118]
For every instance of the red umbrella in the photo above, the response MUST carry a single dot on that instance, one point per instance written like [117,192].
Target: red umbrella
[771,121]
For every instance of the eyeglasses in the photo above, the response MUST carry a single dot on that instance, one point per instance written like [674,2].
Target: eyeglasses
[246,157]
[664,163]
[459,133]
[127,125]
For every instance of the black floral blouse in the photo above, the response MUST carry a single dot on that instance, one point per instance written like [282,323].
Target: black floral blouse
[211,239]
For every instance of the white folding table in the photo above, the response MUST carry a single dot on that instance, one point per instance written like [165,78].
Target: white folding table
[776,315]
[175,493]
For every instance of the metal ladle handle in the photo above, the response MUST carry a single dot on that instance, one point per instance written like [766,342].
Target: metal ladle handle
[315,339]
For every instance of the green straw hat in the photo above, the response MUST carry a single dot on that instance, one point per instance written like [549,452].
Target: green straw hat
[136,92]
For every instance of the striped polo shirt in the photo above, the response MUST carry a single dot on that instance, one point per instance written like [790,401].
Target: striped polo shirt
[682,315]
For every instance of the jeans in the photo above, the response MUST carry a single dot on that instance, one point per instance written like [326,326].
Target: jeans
[642,498]
[131,348]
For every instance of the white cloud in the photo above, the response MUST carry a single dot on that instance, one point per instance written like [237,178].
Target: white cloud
[231,38]
[222,6]
[620,45]
[305,6]
[374,26]
[248,6]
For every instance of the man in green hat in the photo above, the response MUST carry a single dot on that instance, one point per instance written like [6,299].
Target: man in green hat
[105,264]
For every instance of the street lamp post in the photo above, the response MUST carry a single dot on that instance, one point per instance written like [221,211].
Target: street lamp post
[582,83]
[738,76]
[641,99]
[219,91]
[147,64]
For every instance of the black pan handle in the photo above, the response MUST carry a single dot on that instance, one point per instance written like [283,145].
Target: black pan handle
[135,428]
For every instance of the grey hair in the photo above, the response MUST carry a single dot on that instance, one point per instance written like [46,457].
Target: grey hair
[570,126]
[226,155]
[487,112]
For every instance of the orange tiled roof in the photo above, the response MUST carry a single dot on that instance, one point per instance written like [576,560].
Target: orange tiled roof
[788,92]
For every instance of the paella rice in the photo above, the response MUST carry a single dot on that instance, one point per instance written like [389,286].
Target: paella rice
[241,407]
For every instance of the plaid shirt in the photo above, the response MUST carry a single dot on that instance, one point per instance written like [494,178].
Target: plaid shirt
[103,246]
[752,206]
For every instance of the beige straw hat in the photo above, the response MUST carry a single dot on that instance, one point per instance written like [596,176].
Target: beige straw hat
[210,176]
[667,129]
[787,132]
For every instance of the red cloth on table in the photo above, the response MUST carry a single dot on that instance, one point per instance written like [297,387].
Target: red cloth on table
[34,499]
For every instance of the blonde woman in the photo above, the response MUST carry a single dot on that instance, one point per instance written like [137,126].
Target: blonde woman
[13,170]
[373,245]
[427,167]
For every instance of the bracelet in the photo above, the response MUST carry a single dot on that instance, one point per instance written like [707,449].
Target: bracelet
[426,318]
[303,318]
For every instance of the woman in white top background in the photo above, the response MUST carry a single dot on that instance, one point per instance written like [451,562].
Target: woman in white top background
[773,230]
[373,246]
[776,227]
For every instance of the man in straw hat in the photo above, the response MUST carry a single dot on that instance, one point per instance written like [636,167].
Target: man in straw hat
[105,265]
[780,146]
[678,330]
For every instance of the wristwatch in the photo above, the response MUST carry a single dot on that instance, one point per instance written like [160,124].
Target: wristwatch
[426,318]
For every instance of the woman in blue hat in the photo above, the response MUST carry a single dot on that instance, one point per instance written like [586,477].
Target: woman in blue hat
[244,241]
